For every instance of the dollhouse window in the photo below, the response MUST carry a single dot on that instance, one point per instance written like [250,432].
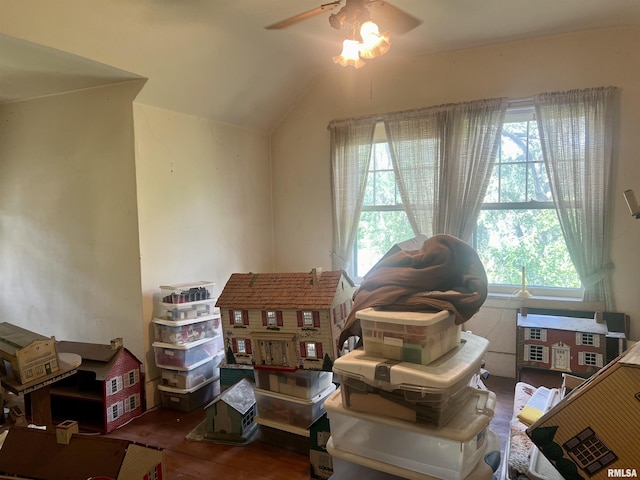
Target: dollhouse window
[131,403]
[242,346]
[131,377]
[114,385]
[153,474]
[311,349]
[535,353]
[307,319]
[271,318]
[591,359]
[533,333]
[237,317]
[587,339]
[115,411]
[589,452]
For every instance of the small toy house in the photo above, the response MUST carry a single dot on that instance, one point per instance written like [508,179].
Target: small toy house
[565,344]
[48,455]
[230,417]
[285,320]
[593,431]
[107,390]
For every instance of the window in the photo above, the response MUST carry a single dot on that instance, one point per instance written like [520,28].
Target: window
[307,319]
[383,221]
[237,317]
[271,318]
[535,353]
[114,385]
[518,225]
[242,347]
[131,377]
[590,339]
[588,358]
[311,350]
[132,402]
[115,411]
[589,452]
[534,333]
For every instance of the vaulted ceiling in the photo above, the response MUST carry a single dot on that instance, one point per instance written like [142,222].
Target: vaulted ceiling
[214,58]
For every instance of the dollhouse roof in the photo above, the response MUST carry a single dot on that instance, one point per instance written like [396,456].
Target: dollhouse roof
[239,396]
[314,290]
[97,358]
[585,325]
[35,453]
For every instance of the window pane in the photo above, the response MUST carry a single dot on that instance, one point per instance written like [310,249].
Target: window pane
[378,231]
[507,240]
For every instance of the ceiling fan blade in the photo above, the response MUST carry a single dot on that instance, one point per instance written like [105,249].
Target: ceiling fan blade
[392,18]
[303,16]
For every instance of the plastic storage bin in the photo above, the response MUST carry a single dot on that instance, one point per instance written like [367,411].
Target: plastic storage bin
[169,355]
[422,385]
[417,337]
[301,383]
[282,435]
[189,399]
[200,310]
[185,331]
[199,372]
[187,292]
[293,411]
[450,452]
[348,466]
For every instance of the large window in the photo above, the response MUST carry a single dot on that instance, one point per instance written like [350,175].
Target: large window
[518,225]
[383,221]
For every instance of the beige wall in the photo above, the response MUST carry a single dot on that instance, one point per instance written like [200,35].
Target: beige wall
[69,256]
[204,204]
[300,145]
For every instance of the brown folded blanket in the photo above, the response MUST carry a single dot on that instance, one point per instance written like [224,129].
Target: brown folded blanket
[444,274]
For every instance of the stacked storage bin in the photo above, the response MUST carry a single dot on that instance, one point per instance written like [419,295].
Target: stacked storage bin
[288,403]
[407,406]
[189,346]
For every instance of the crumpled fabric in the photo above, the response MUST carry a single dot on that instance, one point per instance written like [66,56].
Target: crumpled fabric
[446,273]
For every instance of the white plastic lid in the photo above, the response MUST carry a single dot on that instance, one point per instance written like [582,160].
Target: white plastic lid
[438,376]
[302,401]
[184,346]
[412,318]
[165,388]
[267,422]
[190,321]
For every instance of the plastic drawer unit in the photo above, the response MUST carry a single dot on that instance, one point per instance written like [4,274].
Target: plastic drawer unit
[417,337]
[185,331]
[185,378]
[169,355]
[450,452]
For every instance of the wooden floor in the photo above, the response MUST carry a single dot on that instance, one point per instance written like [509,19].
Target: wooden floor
[186,459]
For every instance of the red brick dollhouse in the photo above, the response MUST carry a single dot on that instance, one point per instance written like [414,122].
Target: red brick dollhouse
[285,320]
[107,390]
[565,344]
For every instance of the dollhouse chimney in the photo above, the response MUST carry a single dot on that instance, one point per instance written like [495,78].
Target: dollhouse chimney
[315,275]
[65,430]
[599,317]
[116,343]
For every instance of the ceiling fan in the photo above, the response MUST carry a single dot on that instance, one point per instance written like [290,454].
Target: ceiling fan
[363,37]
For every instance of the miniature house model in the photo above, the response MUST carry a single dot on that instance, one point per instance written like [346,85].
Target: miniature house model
[48,455]
[107,390]
[230,416]
[589,434]
[285,320]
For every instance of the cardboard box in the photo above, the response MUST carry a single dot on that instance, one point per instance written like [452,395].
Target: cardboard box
[592,433]
[26,355]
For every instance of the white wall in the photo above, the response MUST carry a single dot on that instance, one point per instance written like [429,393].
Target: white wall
[204,204]
[69,252]
[300,145]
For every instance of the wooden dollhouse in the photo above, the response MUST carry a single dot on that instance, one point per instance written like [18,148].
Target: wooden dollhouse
[567,344]
[107,390]
[230,417]
[53,455]
[285,320]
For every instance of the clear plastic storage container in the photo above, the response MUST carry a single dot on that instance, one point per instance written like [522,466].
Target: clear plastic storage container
[185,378]
[301,383]
[426,385]
[417,337]
[450,452]
[169,355]
[293,411]
[187,292]
[189,399]
[200,310]
[185,331]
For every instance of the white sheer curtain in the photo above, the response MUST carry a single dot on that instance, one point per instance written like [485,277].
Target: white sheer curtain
[576,133]
[443,158]
[351,146]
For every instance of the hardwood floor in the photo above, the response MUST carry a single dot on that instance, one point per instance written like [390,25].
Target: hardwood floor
[187,459]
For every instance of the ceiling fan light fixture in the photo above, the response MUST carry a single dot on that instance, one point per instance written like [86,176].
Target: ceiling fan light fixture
[374,44]
[350,55]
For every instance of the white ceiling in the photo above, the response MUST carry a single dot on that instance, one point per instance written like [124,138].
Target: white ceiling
[215,59]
